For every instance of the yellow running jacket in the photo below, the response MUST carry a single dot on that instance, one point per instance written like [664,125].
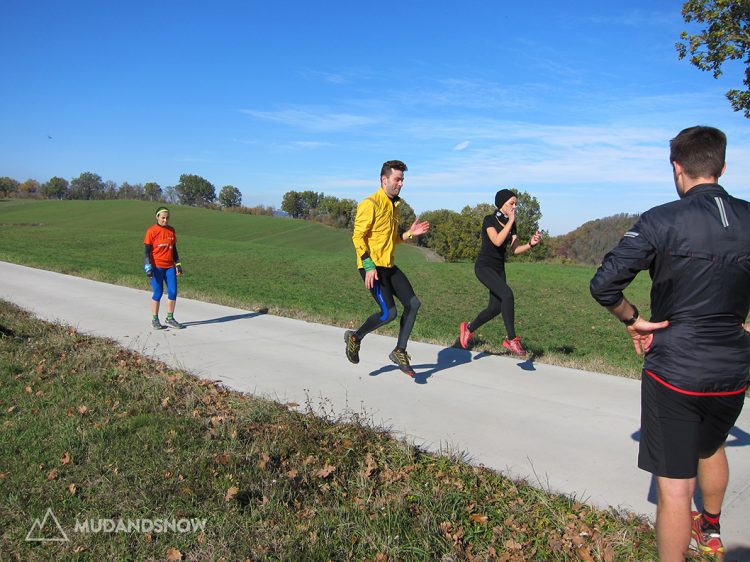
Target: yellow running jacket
[377,229]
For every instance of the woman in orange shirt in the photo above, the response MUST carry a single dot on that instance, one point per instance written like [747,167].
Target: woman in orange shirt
[162,263]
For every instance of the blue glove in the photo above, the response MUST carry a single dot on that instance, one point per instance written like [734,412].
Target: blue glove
[148,270]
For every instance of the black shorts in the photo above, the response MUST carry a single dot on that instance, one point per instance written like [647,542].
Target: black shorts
[678,429]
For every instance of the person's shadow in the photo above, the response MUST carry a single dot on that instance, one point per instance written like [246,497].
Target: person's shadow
[446,358]
[223,319]
[525,365]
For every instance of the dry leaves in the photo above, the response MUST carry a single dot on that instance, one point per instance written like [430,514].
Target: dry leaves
[231,493]
[326,471]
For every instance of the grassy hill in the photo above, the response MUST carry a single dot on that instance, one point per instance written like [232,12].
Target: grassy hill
[306,270]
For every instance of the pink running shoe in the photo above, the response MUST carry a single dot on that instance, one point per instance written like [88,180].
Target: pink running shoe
[514,346]
[465,335]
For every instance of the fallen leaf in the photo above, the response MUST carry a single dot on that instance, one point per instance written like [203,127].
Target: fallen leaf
[231,492]
[165,402]
[72,489]
[52,474]
[82,409]
[326,471]
[66,459]
[478,518]
[11,409]
[370,465]
[263,462]
[173,555]
[511,544]
[28,390]
[221,458]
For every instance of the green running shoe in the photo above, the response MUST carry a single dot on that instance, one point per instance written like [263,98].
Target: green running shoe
[401,358]
[352,346]
[172,323]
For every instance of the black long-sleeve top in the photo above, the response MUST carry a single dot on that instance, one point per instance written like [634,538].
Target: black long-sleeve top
[697,251]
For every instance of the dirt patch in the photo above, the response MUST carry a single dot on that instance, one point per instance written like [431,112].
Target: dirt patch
[430,255]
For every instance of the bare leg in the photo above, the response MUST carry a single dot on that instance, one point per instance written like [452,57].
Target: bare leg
[673,519]
[171,305]
[713,478]
[155,307]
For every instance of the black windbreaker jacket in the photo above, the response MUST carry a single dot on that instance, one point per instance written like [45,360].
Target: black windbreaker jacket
[697,250]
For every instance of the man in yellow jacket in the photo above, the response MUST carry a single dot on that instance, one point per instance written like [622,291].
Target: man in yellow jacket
[377,230]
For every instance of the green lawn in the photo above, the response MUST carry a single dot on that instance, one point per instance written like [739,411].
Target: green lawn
[306,270]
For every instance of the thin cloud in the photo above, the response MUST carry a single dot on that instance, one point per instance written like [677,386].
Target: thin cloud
[462,146]
[321,121]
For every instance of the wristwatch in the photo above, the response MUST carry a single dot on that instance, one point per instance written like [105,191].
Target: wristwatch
[631,321]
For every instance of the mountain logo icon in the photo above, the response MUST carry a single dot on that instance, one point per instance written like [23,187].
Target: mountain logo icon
[39,533]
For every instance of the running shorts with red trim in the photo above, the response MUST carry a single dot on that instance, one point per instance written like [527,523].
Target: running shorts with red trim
[678,429]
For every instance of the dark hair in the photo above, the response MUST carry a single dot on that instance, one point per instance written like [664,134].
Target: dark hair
[391,165]
[701,151]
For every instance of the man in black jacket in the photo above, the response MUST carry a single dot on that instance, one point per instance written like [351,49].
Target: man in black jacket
[697,250]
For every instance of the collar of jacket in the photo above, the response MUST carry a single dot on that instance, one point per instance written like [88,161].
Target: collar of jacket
[382,194]
[705,188]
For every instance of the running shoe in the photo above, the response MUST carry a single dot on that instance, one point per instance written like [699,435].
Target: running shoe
[401,358]
[156,325]
[172,323]
[465,335]
[514,346]
[707,538]
[352,346]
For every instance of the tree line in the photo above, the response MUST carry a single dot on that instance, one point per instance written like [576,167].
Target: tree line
[191,190]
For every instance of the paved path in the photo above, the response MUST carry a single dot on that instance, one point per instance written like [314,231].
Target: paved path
[561,429]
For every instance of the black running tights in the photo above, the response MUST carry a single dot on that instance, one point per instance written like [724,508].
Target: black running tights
[501,300]
[391,282]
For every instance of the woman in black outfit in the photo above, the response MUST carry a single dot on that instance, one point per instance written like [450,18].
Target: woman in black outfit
[498,233]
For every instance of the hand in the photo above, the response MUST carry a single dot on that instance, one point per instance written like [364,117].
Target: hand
[642,334]
[418,227]
[535,239]
[511,214]
[149,270]
[178,268]
[370,278]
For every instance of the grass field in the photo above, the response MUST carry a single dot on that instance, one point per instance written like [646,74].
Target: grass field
[95,432]
[306,270]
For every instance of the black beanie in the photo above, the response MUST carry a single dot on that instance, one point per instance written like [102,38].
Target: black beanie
[502,196]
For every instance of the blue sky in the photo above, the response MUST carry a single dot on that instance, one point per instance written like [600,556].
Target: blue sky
[574,105]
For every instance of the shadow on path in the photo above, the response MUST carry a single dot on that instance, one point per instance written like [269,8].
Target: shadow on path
[222,319]
[447,358]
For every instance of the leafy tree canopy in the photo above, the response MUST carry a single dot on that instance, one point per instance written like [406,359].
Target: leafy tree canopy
[195,190]
[87,186]
[725,37]
[55,188]
[230,196]
[152,191]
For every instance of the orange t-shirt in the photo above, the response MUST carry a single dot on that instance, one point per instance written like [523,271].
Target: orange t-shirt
[162,240]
